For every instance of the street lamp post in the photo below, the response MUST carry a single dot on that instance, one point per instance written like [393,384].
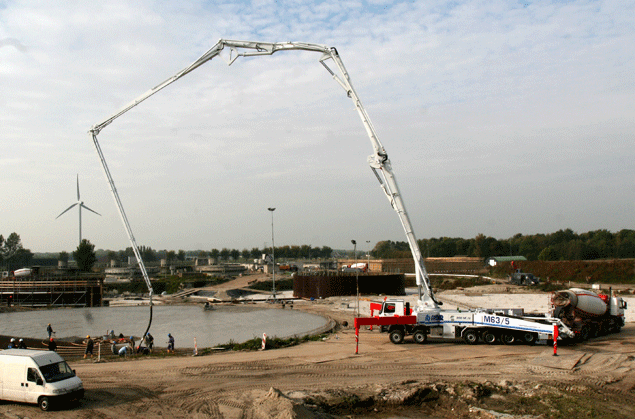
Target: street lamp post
[368,256]
[356,274]
[273,256]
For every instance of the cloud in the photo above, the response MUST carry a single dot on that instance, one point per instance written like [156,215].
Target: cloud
[477,103]
[12,42]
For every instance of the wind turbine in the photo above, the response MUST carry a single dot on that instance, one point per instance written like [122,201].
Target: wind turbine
[80,205]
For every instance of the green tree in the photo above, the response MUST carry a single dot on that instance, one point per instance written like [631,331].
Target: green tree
[388,249]
[625,244]
[245,254]
[256,253]
[548,253]
[478,249]
[85,256]
[63,256]
[11,246]
[224,253]
[147,254]
[12,252]
[305,251]
[283,252]
[235,254]
[294,252]
[529,247]
[326,252]
[214,254]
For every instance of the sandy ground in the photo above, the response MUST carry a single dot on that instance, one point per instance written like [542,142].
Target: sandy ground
[326,378]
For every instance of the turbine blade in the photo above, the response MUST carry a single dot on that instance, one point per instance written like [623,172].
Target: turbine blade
[84,206]
[66,210]
[78,187]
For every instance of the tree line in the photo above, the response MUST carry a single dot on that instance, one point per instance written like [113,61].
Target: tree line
[225,254]
[14,256]
[561,245]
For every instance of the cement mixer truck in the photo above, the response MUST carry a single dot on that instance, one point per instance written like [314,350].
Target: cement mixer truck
[588,314]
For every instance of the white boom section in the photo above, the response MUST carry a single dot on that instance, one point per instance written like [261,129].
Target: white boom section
[379,162]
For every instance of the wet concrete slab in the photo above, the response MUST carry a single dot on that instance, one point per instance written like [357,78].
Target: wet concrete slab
[186,323]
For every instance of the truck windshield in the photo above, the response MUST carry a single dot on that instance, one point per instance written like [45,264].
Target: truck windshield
[56,372]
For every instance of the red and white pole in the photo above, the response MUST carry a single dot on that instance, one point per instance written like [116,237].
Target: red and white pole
[356,336]
[555,340]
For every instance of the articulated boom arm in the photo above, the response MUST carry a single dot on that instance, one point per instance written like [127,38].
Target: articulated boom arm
[379,162]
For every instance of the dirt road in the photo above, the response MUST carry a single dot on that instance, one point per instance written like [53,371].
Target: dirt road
[326,379]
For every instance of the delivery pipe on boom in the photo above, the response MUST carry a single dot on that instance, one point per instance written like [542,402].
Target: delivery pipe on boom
[379,162]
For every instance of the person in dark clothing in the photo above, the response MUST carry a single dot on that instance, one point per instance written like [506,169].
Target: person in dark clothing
[12,344]
[21,344]
[90,344]
[52,345]
[149,341]
[170,343]
[49,330]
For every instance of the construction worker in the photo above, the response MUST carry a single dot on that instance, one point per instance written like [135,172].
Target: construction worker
[90,344]
[52,345]
[170,343]
[149,341]
[21,344]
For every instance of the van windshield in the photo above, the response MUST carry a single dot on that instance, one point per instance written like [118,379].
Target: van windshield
[56,372]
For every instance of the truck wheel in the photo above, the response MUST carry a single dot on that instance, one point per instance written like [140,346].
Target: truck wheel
[44,403]
[396,336]
[489,338]
[508,338]
[470,337]
[530,338]
[420,336]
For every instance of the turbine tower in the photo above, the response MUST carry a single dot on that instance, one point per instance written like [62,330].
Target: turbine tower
[80,205]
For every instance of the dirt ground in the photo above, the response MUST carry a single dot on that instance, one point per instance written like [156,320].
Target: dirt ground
[326,379]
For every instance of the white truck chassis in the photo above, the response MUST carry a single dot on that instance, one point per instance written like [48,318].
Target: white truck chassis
[489,326]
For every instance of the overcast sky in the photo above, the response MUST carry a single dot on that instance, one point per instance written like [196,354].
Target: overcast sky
[499,117]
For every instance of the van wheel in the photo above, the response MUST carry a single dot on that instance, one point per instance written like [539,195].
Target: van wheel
[44,403]
[420,336]
[396,336]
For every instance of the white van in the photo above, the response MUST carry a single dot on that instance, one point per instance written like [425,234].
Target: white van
[41,377]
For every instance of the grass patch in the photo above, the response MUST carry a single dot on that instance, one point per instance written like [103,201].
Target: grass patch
[272,343]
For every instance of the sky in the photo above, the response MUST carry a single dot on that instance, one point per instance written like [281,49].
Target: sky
[499,117]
